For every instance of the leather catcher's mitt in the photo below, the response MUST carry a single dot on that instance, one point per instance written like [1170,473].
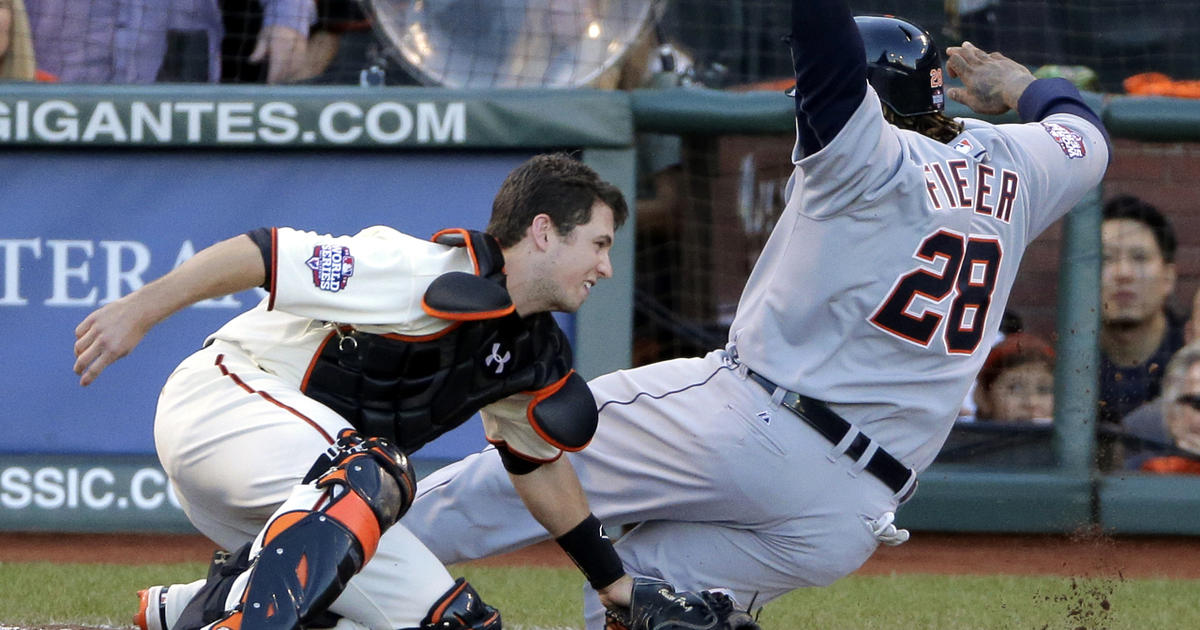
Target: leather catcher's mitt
[657,606]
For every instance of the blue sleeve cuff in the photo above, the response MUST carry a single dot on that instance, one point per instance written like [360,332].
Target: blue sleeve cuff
[1044,97]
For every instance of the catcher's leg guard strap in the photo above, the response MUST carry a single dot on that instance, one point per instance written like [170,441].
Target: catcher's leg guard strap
[310,551]
[208,605]
[460,608]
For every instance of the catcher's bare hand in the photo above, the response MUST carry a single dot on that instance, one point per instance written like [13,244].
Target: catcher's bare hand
[618,594]
[992,83]
[107,334]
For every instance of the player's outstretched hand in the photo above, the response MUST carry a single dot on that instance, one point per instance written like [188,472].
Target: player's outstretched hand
[107,334]
[992,83]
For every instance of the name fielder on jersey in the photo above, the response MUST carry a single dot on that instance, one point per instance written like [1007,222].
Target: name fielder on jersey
[949,187]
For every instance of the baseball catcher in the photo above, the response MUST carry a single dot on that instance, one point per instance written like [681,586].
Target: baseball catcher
[656,605]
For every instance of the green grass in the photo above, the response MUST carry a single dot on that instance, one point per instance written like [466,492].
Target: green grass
[33,594]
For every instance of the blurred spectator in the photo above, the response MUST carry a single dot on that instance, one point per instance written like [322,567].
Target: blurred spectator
[1138,332]
[1180,416]
[1016,383]
[343,49]
[265,41]
[1013,398]
[1191,332]
[126,41]
[85,41]
[1144,428]
[16,47]
[1011,322]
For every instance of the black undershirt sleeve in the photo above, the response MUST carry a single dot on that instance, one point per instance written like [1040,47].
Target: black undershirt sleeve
[830,64]
[515,464]
[262,238]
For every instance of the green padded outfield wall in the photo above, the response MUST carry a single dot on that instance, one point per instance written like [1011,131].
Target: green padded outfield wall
[84,491]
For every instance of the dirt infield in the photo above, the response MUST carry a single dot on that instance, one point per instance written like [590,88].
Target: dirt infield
[937,553]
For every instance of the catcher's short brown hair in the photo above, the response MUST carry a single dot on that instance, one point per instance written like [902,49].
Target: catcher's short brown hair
[554,184]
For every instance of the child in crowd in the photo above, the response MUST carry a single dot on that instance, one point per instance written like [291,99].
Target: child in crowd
[1016,383]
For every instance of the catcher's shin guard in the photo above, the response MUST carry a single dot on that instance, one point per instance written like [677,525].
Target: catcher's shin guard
[308,554]
[460,608]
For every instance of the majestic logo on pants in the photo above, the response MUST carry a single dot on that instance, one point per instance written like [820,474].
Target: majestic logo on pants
[332,266]
[496,358]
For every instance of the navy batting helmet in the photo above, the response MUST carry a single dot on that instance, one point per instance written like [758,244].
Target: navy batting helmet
[903,64]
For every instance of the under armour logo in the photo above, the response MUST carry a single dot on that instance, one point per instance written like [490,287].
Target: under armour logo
[495,357]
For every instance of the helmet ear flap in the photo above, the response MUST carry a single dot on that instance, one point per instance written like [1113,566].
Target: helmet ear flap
[903,64]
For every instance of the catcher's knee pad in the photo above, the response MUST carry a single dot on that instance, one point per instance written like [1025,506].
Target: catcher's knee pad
[375,471]
[460,608]
[308,555]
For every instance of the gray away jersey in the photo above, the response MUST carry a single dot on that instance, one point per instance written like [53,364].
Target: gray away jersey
[902,251]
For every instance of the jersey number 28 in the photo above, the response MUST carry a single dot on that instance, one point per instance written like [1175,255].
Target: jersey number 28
[969,269]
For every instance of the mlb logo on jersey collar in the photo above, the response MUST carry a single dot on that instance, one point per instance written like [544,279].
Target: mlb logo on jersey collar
[970,147]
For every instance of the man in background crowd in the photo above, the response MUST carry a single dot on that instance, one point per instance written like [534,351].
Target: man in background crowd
[1138,332]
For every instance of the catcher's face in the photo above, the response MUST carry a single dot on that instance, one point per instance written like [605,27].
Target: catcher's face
[1135,279]
[561,270]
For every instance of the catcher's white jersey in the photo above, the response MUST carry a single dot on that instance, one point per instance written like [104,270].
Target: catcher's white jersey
[882,286]
[236,435]
[373,280]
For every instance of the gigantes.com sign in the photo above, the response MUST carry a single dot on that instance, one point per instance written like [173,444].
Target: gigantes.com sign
[232,122]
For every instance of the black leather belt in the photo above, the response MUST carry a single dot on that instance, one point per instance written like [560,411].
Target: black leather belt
[834,428]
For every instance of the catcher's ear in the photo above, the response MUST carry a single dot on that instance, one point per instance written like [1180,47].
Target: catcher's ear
[540,230]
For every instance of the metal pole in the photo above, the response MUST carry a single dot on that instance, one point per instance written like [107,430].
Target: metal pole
[1076,381]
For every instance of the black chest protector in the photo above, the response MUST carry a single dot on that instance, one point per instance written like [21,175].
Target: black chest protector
[413,389]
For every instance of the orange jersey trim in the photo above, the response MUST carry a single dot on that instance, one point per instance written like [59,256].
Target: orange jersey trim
[273,272]
[466,236]
[467,317]
[528,458]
